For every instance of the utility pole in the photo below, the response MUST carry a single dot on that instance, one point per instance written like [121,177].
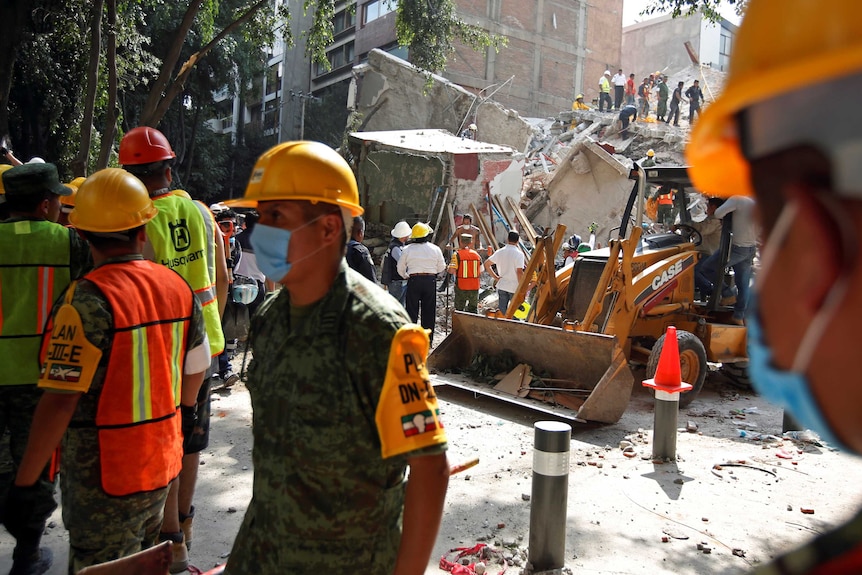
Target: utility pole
[304,97]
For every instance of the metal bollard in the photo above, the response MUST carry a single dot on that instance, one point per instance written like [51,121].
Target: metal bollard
[667,384]
[550,495]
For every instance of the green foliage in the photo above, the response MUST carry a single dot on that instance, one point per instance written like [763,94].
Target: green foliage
[709,8]
[429,28]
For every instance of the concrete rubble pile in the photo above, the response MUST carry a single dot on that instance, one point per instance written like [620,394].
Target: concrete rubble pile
[575,165]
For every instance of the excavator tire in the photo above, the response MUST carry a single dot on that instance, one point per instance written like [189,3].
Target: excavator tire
[692,358]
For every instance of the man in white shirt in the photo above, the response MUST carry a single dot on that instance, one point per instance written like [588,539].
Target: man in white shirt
[619,82]
[742,250]
[421,261]
[510,262]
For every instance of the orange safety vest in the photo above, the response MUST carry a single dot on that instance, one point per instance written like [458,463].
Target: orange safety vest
[665,199]
[469,263]
[140,437]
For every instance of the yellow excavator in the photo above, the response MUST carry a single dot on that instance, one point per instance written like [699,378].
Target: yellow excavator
[611,308]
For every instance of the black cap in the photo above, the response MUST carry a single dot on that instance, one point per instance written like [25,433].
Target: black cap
[30,179]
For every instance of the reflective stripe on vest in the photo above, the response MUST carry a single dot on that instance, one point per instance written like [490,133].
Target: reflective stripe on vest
[182,239]
[140,439]
[468,269]
[665,199]
[34,270]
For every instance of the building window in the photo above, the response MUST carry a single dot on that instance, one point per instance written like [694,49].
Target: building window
[724,46]
[338,57]
[273,79]
[379,8]
[343,20]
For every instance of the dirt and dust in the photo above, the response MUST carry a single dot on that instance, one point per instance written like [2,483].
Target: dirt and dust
[743,500]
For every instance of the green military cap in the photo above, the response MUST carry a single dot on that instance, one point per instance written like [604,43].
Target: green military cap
[33,179]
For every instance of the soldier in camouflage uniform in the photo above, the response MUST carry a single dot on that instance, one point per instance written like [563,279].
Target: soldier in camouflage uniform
[113,499]
[341,398]
[38,259]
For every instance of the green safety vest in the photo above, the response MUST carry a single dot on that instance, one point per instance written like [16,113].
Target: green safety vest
[34,271]
[183,241]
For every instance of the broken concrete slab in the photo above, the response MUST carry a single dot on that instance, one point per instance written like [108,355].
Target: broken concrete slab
[392,94]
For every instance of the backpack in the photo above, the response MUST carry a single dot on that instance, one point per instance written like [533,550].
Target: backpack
[386,269]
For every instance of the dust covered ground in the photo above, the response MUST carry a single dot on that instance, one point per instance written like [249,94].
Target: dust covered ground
[625,514]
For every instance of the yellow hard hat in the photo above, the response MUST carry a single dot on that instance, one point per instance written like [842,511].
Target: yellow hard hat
[112,200]
[781,46]
[73,185]
[303,170]
[650,153]
[3,168]
[579,97]
[420,230]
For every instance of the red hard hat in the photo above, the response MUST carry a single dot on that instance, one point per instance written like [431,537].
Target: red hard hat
[144,145]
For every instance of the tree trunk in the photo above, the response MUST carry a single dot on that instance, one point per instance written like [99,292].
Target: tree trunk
[148,113]
[112,111]
[190,156]
[14,28]
[155,109]
[79,164]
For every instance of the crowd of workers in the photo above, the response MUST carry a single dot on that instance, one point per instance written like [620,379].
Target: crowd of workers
[633,100]
[111,327]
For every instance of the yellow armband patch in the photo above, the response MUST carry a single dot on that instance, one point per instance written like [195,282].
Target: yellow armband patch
[69,360]
[407,414]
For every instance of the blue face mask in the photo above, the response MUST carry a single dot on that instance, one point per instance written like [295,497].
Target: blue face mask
[270,246]
[788,389]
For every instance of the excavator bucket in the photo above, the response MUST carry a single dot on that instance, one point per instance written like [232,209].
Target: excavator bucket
[576,375]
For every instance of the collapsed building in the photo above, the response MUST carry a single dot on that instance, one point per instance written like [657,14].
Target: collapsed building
[571,169]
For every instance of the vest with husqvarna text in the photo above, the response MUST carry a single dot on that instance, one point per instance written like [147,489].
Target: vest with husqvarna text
[469,266]
[34,270]
[137,417]
[183,241]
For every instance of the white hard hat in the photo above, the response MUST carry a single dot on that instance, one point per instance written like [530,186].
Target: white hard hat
[35,160]
[566,246]
[607,72]
[473,127]
[401,230]
[218,207]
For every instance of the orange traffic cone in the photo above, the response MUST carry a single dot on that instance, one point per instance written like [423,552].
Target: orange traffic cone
[668,374]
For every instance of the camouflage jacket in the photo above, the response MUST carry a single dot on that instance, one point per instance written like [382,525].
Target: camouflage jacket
[323,495]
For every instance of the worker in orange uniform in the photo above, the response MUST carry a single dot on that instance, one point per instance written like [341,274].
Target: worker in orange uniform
[466,266]
[124,354]
[184,237]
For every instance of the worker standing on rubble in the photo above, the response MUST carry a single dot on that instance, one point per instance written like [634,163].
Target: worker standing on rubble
[510,262]
[117,460]
[663,93]
[184,237]
[619,81]
[630,90]
[333,436]
[695,97]
[39,258]
[465,266]
[421,262]
[785,130]
[675,102]
[605,91]
[643,98]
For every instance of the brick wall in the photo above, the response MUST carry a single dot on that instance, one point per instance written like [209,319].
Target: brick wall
[546,53]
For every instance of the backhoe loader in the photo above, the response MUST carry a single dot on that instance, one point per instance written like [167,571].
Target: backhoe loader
[611,308]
